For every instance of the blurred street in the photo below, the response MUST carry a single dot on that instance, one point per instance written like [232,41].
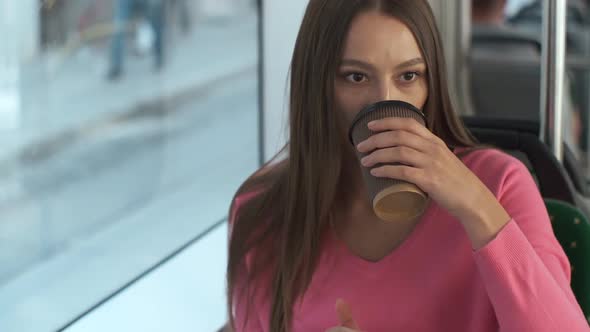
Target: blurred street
[104,178]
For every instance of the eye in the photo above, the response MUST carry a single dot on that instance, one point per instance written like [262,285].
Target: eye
[409,76]
[355,77]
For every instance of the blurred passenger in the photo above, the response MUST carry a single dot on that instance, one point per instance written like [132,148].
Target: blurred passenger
[532,14]
[488,12]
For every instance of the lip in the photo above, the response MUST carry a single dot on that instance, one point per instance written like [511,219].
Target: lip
[377,105]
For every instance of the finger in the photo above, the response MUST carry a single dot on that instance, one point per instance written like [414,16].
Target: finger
[401,172]
[345,315]
[391,138]
[407,124]
[398,154]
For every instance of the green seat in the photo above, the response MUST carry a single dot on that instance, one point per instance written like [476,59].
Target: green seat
[572,230]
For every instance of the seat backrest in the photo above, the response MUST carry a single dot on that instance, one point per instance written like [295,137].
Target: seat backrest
[572,230]
[551,176]
[505,73]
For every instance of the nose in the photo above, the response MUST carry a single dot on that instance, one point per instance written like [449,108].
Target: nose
[387,90]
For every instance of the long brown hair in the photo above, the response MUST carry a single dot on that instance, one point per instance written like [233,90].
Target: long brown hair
[280,228]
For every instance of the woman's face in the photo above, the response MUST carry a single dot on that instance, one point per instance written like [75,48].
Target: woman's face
[381,61]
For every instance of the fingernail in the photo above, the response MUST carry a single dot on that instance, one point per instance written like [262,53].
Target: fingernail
[371,124]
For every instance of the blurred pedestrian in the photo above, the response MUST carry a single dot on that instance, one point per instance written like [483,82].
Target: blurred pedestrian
[153,10]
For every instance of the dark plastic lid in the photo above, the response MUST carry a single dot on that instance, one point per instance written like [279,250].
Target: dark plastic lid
[377,105]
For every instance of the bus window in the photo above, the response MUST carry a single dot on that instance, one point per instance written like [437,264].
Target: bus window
[504,66]
[529,18]
[126,128]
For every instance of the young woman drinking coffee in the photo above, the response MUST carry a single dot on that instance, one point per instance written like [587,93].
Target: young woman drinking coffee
[307,251]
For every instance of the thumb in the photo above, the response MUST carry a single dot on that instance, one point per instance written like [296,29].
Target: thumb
[345,315]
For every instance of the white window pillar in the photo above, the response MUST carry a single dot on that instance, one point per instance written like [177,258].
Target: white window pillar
[281,21]
[9,65]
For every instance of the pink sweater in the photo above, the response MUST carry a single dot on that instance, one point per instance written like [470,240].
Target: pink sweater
[434,281]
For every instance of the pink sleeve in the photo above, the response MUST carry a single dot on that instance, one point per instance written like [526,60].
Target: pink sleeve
[245,312]
[524,269]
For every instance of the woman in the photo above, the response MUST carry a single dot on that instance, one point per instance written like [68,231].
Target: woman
[307,253]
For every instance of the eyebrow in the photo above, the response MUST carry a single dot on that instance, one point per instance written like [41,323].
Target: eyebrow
[360,63]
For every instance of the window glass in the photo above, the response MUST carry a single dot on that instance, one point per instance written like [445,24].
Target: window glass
[505,72]
[126,127]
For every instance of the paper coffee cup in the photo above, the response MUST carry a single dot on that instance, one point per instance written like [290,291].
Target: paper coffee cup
[393,200]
